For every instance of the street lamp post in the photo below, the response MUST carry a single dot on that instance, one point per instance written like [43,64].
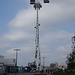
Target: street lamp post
[16,58]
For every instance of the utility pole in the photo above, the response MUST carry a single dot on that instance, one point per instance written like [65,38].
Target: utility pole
[37,6]
[16,58]
[43,62]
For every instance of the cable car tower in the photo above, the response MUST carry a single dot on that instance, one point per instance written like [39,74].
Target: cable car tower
[37,6]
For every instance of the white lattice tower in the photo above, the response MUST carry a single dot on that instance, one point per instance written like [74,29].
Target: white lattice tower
[37,6]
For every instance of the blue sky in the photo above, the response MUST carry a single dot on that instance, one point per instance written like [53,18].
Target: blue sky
[8,10]
[17,22]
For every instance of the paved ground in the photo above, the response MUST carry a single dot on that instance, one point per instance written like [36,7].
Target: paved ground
[27,74]
[20,74]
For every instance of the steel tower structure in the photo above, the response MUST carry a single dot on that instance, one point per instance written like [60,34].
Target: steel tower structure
[37,61]
[73,42]
[37,6]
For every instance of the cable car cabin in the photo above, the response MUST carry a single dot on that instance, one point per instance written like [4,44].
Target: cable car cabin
[32,1]
[46,1]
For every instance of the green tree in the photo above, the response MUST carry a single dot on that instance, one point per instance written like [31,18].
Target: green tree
[71,60]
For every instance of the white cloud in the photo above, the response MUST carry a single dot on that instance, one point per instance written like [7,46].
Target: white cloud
[18,36]
[56,37]
[51,15]
[4,45]
[24,19]
[59,55]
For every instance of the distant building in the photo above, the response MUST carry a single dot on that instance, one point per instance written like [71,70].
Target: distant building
[7,61]
[60,66]
[55,65]
[46,67]
[1,60]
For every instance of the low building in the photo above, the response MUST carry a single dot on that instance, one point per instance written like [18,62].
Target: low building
[7,61]
[10,62]
[1,59]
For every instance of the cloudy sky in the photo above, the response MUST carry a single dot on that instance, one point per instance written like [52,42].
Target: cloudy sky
[17,22]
